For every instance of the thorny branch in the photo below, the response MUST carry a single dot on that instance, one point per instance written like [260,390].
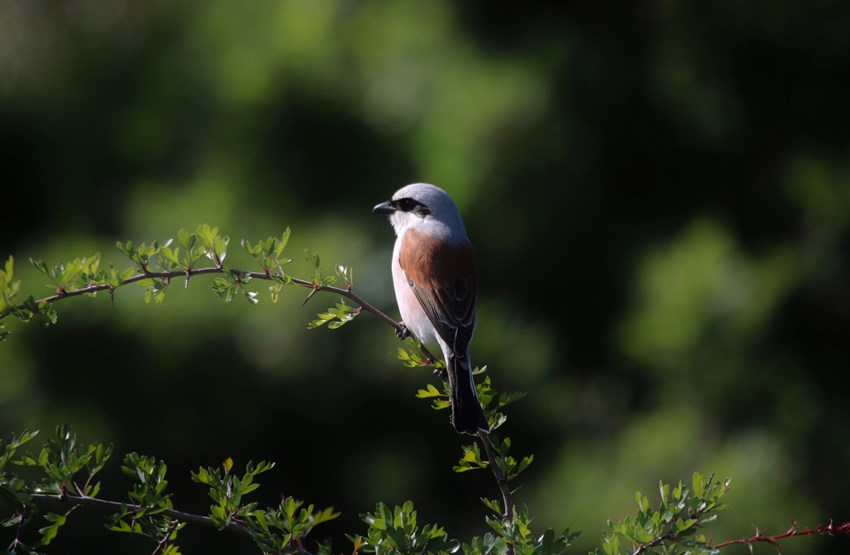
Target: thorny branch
[73,501]
[501,480]
[237,274]
[761,535]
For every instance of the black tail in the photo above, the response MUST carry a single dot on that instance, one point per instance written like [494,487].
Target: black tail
[467,414]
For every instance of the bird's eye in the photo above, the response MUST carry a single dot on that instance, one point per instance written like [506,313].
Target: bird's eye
[406,204]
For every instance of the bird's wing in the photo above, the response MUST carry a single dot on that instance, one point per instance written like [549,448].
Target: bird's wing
[444,278]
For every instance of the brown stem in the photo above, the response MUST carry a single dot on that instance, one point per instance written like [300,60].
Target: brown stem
[73,501]
[793,532]
[163,543]
[67,500]
[96,287]
[499,474]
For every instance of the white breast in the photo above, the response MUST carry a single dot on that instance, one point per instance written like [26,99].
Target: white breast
[408,305]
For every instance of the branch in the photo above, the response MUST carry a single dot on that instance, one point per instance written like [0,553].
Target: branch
[499,474]
[793,532]
[163,543]
[67,500]
[72,501]
[669,536]
[166,276]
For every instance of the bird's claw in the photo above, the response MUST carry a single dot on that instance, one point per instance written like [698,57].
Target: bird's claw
[402,332]
[442,373]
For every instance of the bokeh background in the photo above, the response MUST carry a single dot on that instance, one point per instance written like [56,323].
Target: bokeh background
[659,194]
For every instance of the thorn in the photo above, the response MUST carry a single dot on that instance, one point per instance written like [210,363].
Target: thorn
[310,296]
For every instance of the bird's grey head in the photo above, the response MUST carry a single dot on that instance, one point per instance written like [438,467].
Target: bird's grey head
[421,202]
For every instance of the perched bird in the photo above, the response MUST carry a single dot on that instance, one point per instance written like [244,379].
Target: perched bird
[435,276]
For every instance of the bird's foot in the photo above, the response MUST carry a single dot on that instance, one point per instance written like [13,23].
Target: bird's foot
[442,373]
[402,332]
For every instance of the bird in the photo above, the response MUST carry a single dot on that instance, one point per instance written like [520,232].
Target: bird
[435,277]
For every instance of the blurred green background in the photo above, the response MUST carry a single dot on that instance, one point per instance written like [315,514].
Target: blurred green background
[659,194]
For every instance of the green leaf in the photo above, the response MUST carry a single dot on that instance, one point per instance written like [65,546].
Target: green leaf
[14,520]
[9,272]
[471,459]
[526,461]
[48,533]
[492,504]
[313,259]
[698,483]
[428,392]
[682,525]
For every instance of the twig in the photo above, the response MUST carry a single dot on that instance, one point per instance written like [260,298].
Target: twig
[501,480]
[499,474]
[669,536]
[163,543]
[68,500]
[97,287]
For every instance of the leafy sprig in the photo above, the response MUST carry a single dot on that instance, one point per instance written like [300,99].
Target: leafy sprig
[675,526]
[397,530]
[277,530]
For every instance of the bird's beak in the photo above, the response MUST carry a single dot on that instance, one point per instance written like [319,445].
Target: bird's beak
[384,208]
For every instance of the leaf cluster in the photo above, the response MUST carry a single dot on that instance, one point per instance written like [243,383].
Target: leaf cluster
[149,500]
[510,466]
[63,476]
[492,402]
[12,485]
[397,530]
[517,537]
[63,467]
[335,317]
[673,527]
[64,279]
[277,530]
